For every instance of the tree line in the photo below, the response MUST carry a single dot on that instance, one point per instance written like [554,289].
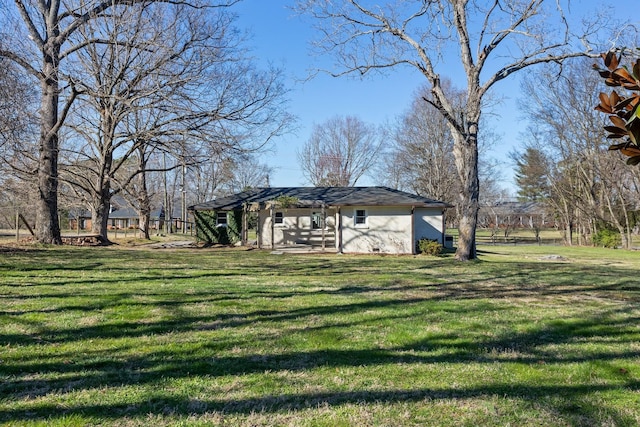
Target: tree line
[564,162]
[569,163]
[101,94]
[484,42]
[128,91]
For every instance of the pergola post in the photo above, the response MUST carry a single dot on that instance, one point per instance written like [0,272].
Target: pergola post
[273,225]
[413,231]
[245,224]
[339,229]
[322,225]
[258,226]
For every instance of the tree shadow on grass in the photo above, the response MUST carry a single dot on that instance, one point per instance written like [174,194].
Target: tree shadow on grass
[36,377]
[187,323]
[96,370]
[528,347]
[569,403]
[528,281]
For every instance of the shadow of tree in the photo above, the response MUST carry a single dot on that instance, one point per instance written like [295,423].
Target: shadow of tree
[573,410]
[529,348]
[387,295]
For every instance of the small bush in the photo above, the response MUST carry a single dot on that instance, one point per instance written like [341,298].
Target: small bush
[607,238]
[428,247]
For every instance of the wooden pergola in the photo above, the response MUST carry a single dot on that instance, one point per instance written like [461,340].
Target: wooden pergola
[272,206]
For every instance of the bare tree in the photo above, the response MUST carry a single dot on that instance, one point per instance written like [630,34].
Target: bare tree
[422,152]
[169,78]
[421,157]
[588,189]
[142,67]
[41,38]
[340,151]
[248,172]
[17,129]
[211,176]
[493,40]
[16,107]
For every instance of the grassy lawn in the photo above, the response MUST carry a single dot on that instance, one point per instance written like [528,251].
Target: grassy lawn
[132,337]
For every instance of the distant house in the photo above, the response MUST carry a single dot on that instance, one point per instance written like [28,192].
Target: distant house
[122,216]
[344,219]
[515,215]
[128,218]
[79,218]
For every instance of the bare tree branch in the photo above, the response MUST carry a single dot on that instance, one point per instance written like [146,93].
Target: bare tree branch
[520,34]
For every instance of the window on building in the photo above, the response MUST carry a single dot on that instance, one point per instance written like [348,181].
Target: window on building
[361,217]
[316,220]
[221,219]
[279,218]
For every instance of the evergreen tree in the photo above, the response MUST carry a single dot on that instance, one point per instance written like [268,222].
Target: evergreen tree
[531,175]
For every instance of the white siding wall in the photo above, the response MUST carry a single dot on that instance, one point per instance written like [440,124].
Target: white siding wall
[295,227]
[428,223]
[387,230]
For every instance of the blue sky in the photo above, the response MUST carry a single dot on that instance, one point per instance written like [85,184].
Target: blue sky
[280,37]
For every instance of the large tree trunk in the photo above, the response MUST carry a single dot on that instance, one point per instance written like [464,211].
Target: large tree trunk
[47,222]
[568,237]
[100,215]
[144,207]
[144,203]
[465,151]
[144,218]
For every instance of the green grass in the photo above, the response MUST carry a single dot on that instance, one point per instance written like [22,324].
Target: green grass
[133,337]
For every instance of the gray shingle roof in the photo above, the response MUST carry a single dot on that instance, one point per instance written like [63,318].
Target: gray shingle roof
[330,196]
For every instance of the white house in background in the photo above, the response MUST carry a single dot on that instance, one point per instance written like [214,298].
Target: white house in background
[344,219]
